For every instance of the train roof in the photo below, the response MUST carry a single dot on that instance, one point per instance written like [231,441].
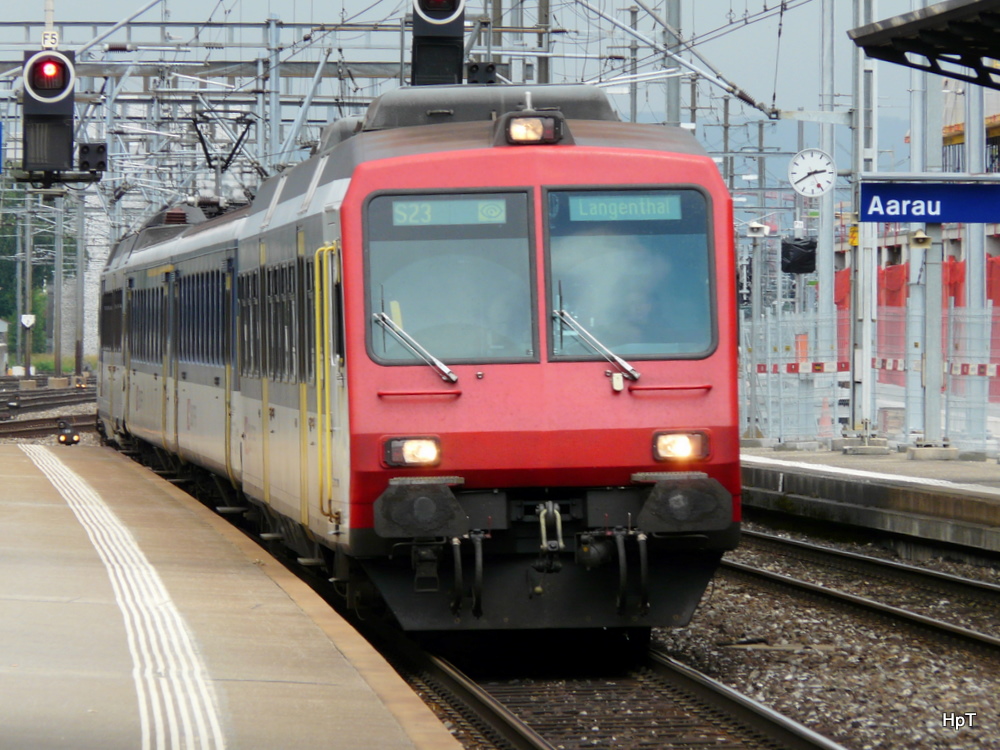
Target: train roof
[441,105]
[434,105]
[400,142]
[174,222]
[427,119]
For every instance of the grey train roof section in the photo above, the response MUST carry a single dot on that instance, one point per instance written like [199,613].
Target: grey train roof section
[429,119]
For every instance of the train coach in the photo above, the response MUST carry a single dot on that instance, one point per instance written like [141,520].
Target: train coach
[476,356]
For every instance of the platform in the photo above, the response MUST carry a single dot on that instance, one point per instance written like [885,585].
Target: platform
[133,617]
[952,502]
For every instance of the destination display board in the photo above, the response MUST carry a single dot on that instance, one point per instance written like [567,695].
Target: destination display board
[622,206]
[454,211]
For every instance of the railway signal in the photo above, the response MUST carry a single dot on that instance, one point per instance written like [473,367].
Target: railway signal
[49,86]
[68,435]
[438,53]
[92,157]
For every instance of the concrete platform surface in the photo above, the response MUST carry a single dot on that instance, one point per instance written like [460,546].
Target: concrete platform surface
[133,617]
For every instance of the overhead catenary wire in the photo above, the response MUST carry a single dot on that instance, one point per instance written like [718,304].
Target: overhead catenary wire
[712,78]
[748,20]
[777,55]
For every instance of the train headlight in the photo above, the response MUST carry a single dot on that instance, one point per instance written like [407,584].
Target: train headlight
[534,130]
[413,452]
[680,446]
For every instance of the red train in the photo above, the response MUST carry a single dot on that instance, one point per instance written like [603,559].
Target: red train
[477,355]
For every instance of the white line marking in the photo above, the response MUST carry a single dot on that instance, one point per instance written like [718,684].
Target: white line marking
[177,707]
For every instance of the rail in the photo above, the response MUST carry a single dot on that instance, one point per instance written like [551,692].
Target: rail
[937,628]
[785,732]
[36,428]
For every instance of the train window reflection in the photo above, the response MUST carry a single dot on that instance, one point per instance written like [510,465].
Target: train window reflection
[633,268]
[454,272]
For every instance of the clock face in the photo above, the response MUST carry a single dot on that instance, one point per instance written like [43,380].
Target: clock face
[812,172]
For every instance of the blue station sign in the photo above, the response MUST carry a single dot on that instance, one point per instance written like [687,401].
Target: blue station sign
[930,202]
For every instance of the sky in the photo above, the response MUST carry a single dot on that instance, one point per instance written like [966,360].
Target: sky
[739,37]
[738,41]
[771,54]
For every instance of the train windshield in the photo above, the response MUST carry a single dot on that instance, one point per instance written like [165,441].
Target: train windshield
[633,269]
[451,275]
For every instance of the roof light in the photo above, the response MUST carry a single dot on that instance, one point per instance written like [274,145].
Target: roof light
[534,129]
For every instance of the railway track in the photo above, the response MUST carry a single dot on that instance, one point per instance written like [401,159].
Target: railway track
[10,383]
[478,719]
[19,402]
[773,727]
[979,616]
[567,708]
[35,428]
[13,384]
[873,567]
[658,703]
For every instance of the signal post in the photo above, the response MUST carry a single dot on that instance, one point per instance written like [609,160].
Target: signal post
[48,146]
[438,42]
[48,112]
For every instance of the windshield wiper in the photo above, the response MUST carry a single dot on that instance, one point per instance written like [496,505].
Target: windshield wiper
[589,338]
[414,347]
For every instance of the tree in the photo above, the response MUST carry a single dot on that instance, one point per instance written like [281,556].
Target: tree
[10,225]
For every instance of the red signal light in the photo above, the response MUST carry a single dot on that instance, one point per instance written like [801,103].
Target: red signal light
[48,76]
[440,12]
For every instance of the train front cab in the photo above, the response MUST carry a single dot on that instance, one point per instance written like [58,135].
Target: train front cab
[523,456]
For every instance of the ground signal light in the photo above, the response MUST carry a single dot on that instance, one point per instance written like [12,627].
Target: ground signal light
[481,72]
[49,86]
[92,157]
[67,434]
[438,42]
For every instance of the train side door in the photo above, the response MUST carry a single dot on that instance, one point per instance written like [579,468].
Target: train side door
[330,376]
[115,352]
[169,396]
[254,396]
[230,361]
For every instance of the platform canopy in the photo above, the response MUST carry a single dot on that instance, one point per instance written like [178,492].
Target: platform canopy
[956,39]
